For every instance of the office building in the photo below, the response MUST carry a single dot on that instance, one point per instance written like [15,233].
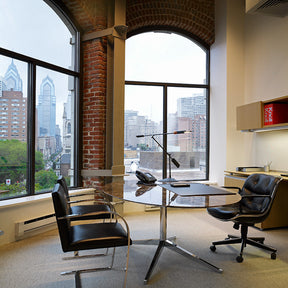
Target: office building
[46,108]
[13,106]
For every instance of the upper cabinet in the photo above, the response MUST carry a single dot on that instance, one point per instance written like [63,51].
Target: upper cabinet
[263,115]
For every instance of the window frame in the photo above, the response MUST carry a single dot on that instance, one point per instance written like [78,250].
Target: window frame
[166,85]
[32,64]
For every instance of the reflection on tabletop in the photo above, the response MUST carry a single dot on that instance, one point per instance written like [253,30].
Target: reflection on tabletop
[168,196]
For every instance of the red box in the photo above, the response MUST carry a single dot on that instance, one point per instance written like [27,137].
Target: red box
[275,113]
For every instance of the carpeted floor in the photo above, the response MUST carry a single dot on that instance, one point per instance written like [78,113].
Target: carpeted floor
[37,262]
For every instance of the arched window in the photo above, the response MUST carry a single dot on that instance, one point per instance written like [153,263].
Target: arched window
[166,93]
[39,71]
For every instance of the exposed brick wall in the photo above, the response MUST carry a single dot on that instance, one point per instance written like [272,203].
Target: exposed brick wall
[94,107]
[189,17]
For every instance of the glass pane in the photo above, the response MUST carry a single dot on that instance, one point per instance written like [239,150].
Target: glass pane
[13,127]
[54,128]
[143,116]
[187,112]
[162,57]
[35,30]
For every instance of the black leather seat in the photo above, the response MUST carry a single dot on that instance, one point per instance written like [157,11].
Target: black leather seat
[88,236]
[86,209]
[257,195]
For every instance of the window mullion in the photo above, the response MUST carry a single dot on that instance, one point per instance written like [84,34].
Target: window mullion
[30,186]
[165,120]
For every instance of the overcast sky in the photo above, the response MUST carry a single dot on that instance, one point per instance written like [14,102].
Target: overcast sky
[161,57]
[32,28]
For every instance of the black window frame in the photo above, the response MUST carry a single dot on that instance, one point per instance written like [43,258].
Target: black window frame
[32,64]
[166,85]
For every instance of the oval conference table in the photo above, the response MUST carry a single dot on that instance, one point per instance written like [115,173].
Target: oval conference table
[163,195]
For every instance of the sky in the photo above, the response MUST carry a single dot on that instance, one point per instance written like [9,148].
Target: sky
[44,36]
[161,57]
[41,35]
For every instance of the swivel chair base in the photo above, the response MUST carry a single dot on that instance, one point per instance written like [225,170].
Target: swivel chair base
[253,241]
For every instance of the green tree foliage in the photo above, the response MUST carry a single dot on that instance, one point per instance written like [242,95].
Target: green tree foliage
[46,179]
[13,161]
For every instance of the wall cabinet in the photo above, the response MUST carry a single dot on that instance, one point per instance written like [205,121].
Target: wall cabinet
[250,117]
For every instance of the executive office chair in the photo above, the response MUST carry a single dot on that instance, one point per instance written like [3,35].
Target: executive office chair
[88,236]
[257,196]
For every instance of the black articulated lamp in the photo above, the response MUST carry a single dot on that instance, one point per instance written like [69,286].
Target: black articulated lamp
[171,159]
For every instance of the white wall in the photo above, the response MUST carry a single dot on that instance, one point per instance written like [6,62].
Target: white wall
[266,75]
[249,62]
[227,89]
[218,96]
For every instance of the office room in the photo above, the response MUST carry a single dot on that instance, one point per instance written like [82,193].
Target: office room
[87,70]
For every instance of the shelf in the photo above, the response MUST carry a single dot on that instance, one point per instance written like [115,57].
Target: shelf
[268,128]
[250,117]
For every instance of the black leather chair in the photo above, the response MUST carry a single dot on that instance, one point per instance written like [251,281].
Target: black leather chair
[257,195]
[88,236]
[86,209]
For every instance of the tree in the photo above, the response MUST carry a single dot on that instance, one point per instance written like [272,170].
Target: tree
[46,179]
[13,161]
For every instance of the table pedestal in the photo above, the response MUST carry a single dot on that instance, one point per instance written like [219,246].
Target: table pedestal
[168,242]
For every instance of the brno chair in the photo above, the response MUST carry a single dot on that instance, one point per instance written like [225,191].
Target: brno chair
[86,209]
[257,195]
[88,236]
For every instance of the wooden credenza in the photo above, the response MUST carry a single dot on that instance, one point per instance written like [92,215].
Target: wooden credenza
[278,216]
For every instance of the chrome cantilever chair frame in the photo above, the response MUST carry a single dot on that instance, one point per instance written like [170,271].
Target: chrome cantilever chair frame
[86,211]
[105,241]
[242,216]
[78,272]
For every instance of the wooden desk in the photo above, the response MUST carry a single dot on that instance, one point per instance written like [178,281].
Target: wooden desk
[278,216]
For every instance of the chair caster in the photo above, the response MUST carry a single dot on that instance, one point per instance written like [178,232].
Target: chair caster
[273,255]
[213,248]
[239,259]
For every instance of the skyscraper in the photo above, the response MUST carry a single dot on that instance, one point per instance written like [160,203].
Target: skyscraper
[13,109]
[46,108]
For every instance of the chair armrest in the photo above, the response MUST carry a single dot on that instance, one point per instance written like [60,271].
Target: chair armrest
[232,187]
[111,213]
[81,194]
[77,216]
[95,192]
[95,201]
[254,195]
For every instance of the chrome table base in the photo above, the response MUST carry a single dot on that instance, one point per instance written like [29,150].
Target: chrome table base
[168,243]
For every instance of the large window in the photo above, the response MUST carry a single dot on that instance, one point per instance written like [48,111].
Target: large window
[166,94]
[39,80]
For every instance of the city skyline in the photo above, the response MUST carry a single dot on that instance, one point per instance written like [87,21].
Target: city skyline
[12,70]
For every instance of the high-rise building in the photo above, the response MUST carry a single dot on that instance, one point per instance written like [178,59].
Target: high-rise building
[46,108]
[13,109]
[191,106]
[67,126]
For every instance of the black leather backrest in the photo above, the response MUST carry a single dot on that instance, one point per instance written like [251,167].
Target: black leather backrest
[260,184]
[61,180]
[61,209]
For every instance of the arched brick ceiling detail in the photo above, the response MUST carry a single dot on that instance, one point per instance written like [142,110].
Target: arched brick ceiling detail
[89,14]
[191,17]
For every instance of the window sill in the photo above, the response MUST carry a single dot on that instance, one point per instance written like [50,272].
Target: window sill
[30,199]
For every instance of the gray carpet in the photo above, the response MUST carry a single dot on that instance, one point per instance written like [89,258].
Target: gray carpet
[37,262]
